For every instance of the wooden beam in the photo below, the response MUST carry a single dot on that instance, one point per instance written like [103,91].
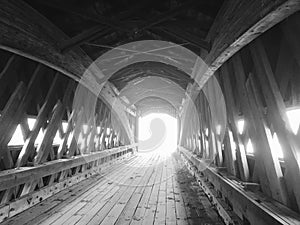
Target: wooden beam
[87,35]
[32,28]
[7,124]
[277,112]
[185,36]
[45,147]
[270,160]
[79,120]
[233,120]
[115,23]
[284,67]
[165,16]
[13,177]
[110,25]
[28,147]
[37,39]
[63,146]
[237,24]
[291,34]
[249,206]
[9,71]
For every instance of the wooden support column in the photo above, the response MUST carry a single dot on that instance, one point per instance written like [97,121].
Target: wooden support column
[28,148]
[277,111]
[6,119]
[11,119]
[24,127]
[44,149]
[105,125]
[240,22]
[85,135]
[91,140]
[233,119]
[76,132]
[111,138]
[230,156]
[270,160]
[63,146]
[38,39]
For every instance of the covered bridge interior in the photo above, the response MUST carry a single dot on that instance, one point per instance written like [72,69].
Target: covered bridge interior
[79,78]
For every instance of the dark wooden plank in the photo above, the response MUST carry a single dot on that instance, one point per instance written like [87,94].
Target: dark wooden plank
[246,205]
[28,147]
[291,33]
[9,71]
[7,124]
[11,178]
[37,39]
[185,36]
[33,28]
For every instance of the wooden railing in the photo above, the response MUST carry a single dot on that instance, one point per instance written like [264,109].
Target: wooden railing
[40,167]
[55,176]
[237,202]
[260,85]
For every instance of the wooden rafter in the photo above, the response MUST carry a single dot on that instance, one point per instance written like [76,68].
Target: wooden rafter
[237,24]
[185,36]
[39,42]
[139,28]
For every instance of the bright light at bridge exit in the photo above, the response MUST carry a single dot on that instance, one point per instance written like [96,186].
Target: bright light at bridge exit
[157,132]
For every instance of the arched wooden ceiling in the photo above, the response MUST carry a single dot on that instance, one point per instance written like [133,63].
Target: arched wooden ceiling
[152,86]
[145,69]
[98,25]
[155,105]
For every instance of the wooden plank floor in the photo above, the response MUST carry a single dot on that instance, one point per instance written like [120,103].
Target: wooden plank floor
[146,189]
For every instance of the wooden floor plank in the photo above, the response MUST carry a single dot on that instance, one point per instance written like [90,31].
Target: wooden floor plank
[147,189]
[69,210]
[118,207]
[142,207]
[40,212]
[138,198]
[159,209]
[95,206]
[171,209]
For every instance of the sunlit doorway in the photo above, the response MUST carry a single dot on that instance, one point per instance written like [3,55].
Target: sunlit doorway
[157,132]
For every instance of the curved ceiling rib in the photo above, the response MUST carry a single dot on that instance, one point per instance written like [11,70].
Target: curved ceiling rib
[141,88]
[44,42]
[38,39]
[149,68]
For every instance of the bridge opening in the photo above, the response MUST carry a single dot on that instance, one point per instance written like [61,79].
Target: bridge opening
[157,132]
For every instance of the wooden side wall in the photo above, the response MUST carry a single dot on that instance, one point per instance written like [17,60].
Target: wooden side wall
[260,84]
[30,89]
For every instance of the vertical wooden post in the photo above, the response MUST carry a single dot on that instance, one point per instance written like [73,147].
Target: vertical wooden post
[6,120]
[270,161]
[288,141]
[233,119]
[28,147]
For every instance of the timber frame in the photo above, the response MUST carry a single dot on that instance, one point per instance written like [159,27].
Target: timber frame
[259,187]
[250,47]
